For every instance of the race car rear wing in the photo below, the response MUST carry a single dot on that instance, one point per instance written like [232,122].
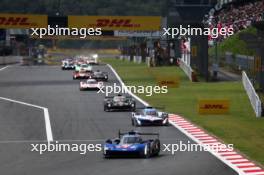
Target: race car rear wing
[152,107]
[138,133]
[138,109]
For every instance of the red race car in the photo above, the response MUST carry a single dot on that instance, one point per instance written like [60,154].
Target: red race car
[81,75]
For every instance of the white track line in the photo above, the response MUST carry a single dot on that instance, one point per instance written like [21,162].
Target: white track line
[46,116]
[3,68]
[176,126]
[124,86]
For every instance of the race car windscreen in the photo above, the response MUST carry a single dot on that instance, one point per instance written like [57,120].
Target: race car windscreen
[119,99]
[150,112]
[92,82]
[130,140]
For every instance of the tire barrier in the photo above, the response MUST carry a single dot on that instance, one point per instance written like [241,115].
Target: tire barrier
[137,59]
[148,61]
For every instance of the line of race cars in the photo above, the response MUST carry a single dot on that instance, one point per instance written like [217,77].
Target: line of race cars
[130,143]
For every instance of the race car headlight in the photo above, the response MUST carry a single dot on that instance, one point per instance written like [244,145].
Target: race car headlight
[133,147]
[95,56]
[132,105]
[109,104]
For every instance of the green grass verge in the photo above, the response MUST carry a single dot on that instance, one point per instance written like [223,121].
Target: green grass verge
[240,127]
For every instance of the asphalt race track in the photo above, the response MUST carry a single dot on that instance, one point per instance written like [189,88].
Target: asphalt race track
[78,117]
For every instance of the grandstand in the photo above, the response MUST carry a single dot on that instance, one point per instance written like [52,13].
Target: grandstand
[240,52]
[238,14]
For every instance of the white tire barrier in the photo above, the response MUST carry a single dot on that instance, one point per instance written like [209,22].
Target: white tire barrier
[137,59]
[148,59]
[127,57]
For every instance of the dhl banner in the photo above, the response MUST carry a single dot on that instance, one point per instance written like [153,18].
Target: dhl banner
[169,81]
[23,21]
[213,106]
[127,23]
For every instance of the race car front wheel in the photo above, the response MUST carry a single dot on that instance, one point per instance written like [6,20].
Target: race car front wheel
[156,147]
[106,109]
[136,123]
[146,152]
[133,109]
[132,122]
[106,155]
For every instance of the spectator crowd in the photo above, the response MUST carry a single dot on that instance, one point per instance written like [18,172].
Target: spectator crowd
[238,15]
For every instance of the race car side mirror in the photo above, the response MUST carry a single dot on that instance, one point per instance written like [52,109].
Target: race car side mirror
[108,141]
[117,141]
[164,115]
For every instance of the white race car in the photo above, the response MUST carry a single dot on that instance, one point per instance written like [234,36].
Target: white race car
[149,116]
[67,65]
[91,84]
[83,67]
[92,59]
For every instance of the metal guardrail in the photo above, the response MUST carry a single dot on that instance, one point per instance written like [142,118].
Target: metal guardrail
[253,96]
[244,62]
[239,62]
[187,69]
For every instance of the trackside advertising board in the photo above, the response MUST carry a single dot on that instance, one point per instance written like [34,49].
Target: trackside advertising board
[127,23]
[213,106]
[149,34]
[169,81]
[23,21]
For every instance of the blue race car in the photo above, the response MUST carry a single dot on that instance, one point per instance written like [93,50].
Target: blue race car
[132,144]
